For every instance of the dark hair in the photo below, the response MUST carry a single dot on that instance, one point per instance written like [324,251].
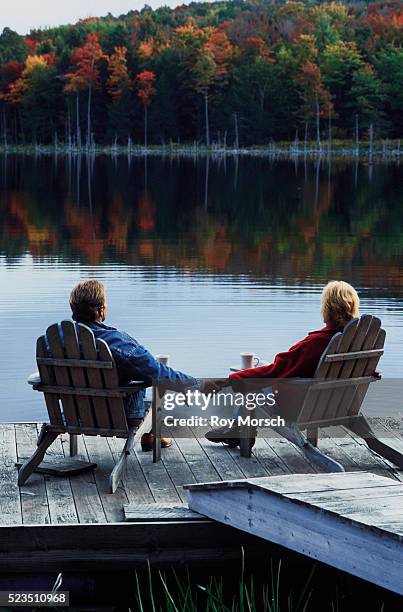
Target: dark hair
[86,299]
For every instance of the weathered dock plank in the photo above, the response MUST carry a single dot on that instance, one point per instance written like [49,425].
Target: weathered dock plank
[98,451]
[362,536]
[363,457]
[84,488]
[34,500]
[177,468]
[201,466]
[224,463]
[250,466]
[62,507]
[10,503]
[142,513]
[295,461]
[158,479]
[270,460]
[134,482]
[331,442]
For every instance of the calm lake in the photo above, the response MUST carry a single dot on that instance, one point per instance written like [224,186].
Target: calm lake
[202,259]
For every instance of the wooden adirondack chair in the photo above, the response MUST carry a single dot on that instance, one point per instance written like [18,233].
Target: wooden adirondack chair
[335,395]
[82,394]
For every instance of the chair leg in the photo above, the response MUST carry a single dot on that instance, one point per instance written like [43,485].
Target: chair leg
[361,427]
[247,433]
[316,456]
[45,439]
[312,435]
[156,424]
[144,427]
[73,445]
[247,440]
[116,474]
[245,444]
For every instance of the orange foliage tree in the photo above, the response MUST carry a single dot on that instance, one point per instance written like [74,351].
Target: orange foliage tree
[316,100]
[118,74]
[145,91]
[85,76]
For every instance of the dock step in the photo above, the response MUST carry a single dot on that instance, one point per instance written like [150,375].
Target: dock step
[352,521]
[161,512]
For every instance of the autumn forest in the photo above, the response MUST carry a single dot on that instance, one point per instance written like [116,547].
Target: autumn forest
[233,72]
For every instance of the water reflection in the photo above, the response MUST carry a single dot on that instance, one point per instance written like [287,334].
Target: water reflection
[202,259]
[292,220]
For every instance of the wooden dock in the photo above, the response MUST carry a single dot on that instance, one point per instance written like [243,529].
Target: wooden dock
[74,522]
[351,521]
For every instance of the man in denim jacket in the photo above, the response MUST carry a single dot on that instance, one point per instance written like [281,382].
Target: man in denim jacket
[133,361]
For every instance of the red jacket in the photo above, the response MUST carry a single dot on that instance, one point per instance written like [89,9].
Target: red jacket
[299,361]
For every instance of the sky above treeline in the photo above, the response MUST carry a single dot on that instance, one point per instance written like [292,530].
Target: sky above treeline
[24,15]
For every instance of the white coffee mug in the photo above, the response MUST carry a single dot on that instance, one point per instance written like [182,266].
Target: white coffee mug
[163,359]
[248,359]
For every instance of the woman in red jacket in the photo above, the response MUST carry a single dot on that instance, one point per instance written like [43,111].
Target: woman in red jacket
[340,304]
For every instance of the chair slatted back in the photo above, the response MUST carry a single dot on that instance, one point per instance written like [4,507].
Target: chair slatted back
[111,381]
[47,375]
[350,361]
[78,361]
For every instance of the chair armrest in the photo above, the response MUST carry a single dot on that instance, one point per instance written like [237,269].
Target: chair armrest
[133,387]
[34,379]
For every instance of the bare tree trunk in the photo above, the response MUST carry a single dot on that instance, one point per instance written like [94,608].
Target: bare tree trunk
[318,123]
[4,126]
[236,131]
[21,125]
[330,130]
[206,182]
[357,142]
[206,119]
[145,126]
[89,117]
[78,135]
[69,129]
[371,141]
[306,137]
[15,128]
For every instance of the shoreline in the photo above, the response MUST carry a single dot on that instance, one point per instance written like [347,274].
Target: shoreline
[346,150]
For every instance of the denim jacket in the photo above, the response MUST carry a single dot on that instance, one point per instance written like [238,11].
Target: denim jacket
[135,362]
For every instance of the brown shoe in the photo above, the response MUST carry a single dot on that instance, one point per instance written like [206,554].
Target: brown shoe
[147,440]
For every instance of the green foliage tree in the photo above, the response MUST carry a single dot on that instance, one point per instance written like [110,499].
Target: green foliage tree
[40,101]
[340,61]
[12,47]
[367,98]
[249,70]
[389,67]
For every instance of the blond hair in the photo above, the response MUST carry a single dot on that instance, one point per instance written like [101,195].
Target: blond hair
[86,299]
[340,303]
